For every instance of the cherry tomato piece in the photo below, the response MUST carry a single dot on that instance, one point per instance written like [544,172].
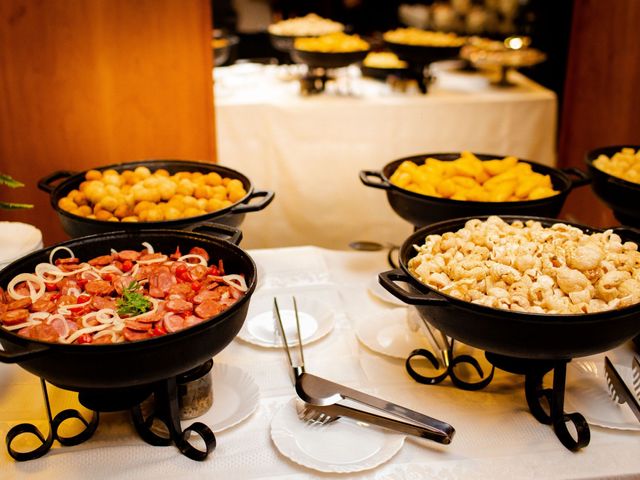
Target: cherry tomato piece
[195,286]
[84,338]
[213,270]
[127,265]
[51,287]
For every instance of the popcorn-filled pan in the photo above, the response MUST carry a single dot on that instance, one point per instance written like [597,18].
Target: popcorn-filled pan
[517,334]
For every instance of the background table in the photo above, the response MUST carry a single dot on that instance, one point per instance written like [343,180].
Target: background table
[309,150]
[496,436]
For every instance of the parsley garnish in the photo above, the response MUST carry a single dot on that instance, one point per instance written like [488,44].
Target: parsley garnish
[132,303]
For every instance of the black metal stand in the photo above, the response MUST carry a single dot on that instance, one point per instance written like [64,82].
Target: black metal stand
[165,416]
[554,414]
[315,81]
[54,427]
[450,362]
[167,413]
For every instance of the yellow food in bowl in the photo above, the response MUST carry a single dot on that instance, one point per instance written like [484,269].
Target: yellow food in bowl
[309,25]
[624,164]
[469,178]
[424,38]
[383,60]
[333,43]
[219,43]
[143,196]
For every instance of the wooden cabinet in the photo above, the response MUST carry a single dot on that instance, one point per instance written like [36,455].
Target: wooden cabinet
[601,101]
[90,82]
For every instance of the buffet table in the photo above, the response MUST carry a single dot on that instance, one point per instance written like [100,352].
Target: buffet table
[309,150]
[496,436]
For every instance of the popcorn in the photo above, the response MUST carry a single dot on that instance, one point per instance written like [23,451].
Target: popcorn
[526,267]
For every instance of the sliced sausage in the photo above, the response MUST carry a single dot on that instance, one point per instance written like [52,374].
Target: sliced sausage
[101,261]
[43,305]
[14,317]
[174,323]
[178,305]
[99,303]
[99,287]
[206,295]
[208,309]
[67,284]
[131,255]
[61,326]
[182,290]
[138,326]
[160,281]
[200,251]
[134,335]
[151,256]
[67,261]
[44,333]
[198,272]
[17,304]
[102,340]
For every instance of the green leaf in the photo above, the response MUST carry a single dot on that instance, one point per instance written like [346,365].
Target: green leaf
[14,206]
[9,181]
[133,303]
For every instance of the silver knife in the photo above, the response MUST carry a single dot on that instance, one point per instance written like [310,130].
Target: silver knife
[618,388]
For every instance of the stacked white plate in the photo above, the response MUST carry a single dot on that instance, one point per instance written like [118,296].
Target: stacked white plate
[16,240]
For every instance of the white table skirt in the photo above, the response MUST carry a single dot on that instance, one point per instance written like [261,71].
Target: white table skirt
[309,150]
[496,436]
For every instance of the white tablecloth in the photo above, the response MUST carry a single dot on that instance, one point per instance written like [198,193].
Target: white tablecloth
[309,150]
[496,436]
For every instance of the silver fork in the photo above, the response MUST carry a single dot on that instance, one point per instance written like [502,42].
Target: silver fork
[323,396]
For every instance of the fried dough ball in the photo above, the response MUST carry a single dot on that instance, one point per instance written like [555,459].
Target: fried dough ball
[142,195]
[469,178]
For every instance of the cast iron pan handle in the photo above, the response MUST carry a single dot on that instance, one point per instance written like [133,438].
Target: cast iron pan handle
[583,178]
[387,280]
[256,206]
[217,230]
[27,354]
[44,183]
[380,183]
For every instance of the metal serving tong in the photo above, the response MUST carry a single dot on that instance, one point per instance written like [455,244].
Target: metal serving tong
[618,388]
[322,397]
[448,363]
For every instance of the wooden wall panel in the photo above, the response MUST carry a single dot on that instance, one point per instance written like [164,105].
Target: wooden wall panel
[91,82]
[601,101]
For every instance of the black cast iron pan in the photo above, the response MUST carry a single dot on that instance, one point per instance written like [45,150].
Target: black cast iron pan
[60,183]
[327,59]
[132,364]
[621,196]
[421,210]
[422,54]
[515,334]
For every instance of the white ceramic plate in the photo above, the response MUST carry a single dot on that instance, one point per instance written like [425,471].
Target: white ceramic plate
[375,289]
[235,398]
[316,320]
[343,446]
[587,393]
[389,333]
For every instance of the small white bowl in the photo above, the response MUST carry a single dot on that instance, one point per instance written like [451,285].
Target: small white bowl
[16,240]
